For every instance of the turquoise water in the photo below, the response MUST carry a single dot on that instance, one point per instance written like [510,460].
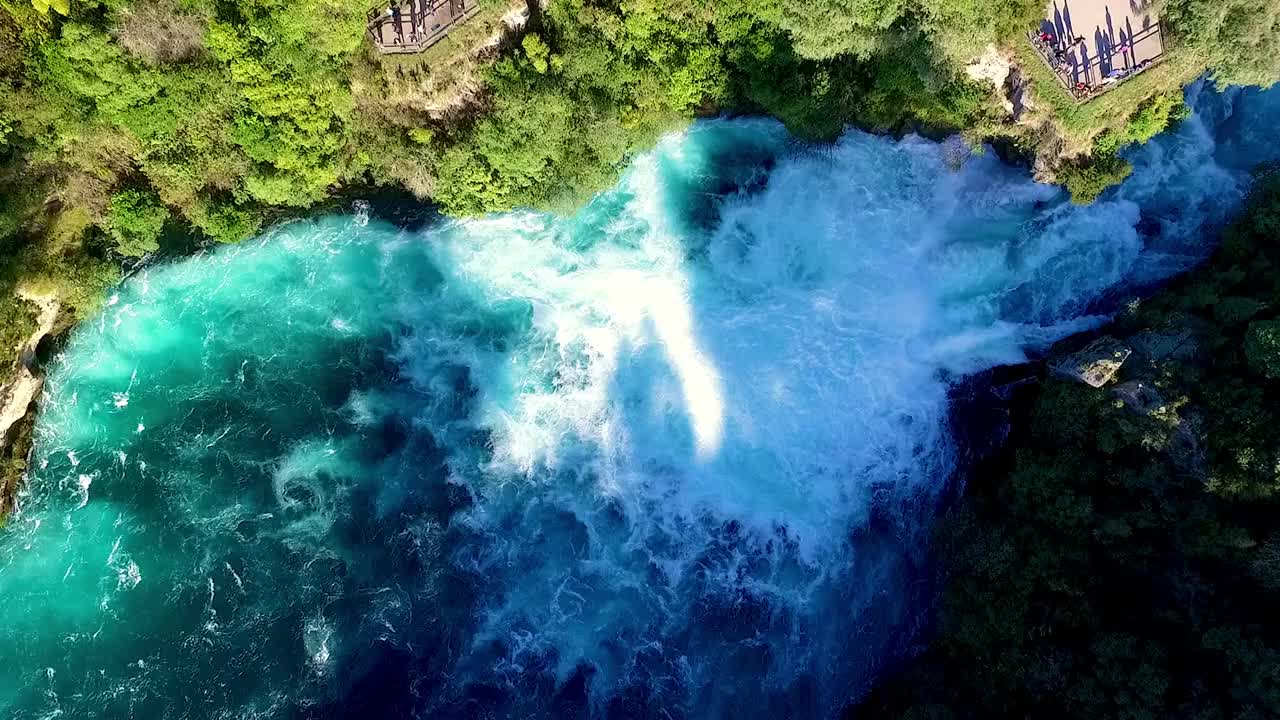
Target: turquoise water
[670,457]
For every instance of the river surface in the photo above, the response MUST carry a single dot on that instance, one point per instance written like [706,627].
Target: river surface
[673,456]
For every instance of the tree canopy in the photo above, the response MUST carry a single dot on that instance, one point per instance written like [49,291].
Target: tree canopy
[1125,561]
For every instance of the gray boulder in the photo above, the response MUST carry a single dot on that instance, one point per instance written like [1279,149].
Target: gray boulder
[1095,365]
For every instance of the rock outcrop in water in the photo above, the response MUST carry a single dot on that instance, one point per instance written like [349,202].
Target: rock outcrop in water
[1096,364]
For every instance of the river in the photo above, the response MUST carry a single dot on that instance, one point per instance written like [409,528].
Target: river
[672,456]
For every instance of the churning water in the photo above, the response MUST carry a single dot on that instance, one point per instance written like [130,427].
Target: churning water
[672,456]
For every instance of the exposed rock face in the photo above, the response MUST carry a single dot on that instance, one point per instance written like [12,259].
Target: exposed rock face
[1050,149]
[1095,365]
[997,68]
[1141,398]
[1017,89]
[992,67]
[1038,132]
[18,397]
[1152,346]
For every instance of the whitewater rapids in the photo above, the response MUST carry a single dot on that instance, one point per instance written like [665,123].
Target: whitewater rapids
[673,456]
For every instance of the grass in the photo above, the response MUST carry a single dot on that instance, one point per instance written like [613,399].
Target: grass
[1081,123]
[444,79]
[462,38]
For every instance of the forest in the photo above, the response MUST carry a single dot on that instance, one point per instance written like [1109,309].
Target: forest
[123,122]
[1123,559]
[123,119]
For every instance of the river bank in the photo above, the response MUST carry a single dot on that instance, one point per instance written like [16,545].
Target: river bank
[489,152]
[20,397]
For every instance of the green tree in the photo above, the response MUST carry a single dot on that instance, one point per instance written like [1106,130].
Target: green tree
[135,220]
[827,28]
[1239,40]
[1087,179]
[1262,346]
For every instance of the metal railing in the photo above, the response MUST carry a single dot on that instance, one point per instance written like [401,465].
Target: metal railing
[416,13]
[1099,74]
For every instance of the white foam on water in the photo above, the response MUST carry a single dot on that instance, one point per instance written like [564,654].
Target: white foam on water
[316,637]
[690,438]
[782,375]
[84,481]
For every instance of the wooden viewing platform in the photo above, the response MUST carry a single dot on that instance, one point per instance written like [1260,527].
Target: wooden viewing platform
[1096,50]
[414,26]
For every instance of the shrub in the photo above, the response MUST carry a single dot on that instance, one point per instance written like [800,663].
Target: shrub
[1232,311]
[537,52]
[1239,40]
[226,222]
[135,219]
[1262,347]
[1087,179]
[1152,118]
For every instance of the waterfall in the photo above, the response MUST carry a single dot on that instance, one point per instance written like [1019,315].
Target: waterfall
[672,456]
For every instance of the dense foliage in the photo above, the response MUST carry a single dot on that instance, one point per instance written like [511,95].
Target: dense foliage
[1238,39]
[1087,177]
[1127,563]
[218,115]
[135,219]
[122,117]
[224,109]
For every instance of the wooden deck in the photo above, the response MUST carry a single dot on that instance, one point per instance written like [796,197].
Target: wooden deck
[415,25]
[1092,46]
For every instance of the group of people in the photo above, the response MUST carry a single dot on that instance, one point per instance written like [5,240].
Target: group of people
[1060,51]
[1060,56]
[418,32]
[1052,41]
